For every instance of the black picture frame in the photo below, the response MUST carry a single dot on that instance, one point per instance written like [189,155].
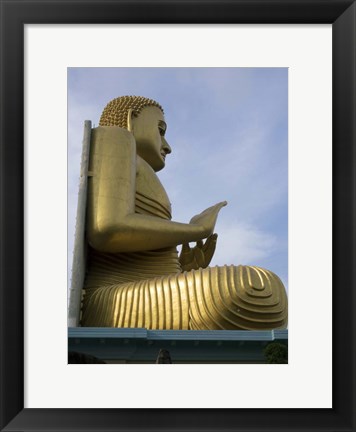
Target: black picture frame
[14,15]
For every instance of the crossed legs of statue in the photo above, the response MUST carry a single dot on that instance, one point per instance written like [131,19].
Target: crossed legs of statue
[227,297]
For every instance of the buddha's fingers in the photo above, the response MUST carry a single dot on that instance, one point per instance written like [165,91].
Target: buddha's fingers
[185,248]
[209,249]
[209,243]
[187,258]
[199,255]
[216,207]
[222,204]
[200,244]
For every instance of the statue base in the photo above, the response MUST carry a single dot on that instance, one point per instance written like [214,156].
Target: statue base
[138,345]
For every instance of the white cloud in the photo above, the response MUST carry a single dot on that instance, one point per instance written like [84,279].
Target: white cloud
[242,244]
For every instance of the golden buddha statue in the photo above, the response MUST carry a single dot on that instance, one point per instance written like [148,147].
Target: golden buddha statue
[135,277]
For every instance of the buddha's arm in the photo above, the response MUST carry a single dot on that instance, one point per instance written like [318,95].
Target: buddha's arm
[112,224]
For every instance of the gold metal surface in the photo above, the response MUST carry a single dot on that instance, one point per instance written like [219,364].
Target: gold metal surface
[135,277]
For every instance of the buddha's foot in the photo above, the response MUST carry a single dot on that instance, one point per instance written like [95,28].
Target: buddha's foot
[237,298]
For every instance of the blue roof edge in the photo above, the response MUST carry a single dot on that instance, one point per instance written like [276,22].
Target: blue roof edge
[201,335]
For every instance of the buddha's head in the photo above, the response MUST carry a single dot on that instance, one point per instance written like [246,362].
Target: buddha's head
[145,119]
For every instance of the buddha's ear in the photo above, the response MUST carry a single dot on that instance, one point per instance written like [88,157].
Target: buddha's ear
[129,120]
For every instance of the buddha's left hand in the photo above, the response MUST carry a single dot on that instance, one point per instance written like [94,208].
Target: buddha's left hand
[200,255]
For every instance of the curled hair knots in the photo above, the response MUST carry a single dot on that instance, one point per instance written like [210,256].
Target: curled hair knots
[116,111]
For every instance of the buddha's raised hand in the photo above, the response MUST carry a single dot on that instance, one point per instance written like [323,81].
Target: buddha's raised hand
[199,256]
[207,218]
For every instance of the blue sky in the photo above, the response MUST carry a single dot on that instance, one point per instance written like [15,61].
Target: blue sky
[228,130]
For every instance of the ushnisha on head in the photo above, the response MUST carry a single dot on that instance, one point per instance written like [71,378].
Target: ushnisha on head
[145,119]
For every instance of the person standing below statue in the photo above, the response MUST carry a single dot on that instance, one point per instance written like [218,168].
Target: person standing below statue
[135,277]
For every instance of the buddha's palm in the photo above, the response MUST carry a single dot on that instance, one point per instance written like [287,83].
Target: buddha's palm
[198,256]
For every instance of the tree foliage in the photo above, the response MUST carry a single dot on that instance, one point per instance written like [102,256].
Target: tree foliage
[276,353]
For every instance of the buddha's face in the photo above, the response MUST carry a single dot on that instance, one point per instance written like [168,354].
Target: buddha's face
[149,129]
